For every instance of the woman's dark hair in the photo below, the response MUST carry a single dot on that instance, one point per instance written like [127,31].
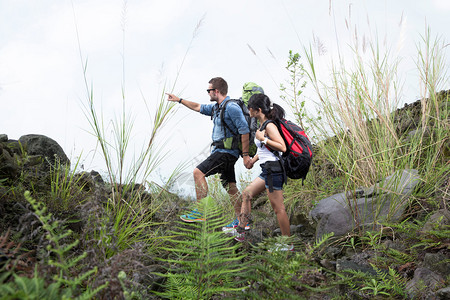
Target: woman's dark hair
[271,110]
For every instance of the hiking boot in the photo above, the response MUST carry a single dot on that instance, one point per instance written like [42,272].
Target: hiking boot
[281,247]
[230,228]
[240,237]
[193,216]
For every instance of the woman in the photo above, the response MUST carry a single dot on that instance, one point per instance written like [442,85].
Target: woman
[268,140]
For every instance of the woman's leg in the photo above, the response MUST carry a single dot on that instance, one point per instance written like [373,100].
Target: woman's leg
[253,189]
[277,202]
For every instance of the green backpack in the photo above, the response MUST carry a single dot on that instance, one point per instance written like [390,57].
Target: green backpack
[234,142]
[249,89]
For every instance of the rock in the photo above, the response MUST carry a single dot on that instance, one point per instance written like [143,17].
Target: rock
[8,165]
[424,283]
[333,252]
[386,201]
[424,132]
[35,144]
[438,262]
[329,264]
[14,147]
[438,221]
[350,264]
[33,160]
[443,294]
[294,229]
[89,180]
[97,177]
[331,215]
[3,138]
[396,245]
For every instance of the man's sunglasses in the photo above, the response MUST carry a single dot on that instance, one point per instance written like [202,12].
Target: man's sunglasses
[209,90]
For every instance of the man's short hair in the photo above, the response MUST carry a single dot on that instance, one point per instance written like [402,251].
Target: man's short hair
[219,84]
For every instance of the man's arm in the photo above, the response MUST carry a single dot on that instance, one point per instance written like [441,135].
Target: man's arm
[189,104]
[237,117]
[245,145]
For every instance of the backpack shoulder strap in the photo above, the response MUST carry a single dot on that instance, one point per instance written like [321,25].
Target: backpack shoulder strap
[214,110]
[280,130]
[222,117]
[263,125]
[276,122]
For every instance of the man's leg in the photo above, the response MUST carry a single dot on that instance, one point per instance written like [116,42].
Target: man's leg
[201,187]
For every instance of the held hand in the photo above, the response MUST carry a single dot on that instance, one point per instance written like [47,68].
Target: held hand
[172,97]
[248,162]
[260,135]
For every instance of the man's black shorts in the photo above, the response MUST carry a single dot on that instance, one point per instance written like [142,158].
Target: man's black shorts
[222,163]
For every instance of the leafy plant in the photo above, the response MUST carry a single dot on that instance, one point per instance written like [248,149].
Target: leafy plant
[33,288]
[283,274]
[372,239]
[385,283]
[202,262]
[375,287]
[414,231]
[400,257]
[352,241]
[126,293]
[60,257]
[295,85]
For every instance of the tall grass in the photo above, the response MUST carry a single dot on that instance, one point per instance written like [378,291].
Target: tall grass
[427,145]
[65,185]
[359,127]
[129,208]
[357,108]
[131,216]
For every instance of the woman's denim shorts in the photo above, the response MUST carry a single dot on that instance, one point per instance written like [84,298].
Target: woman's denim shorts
[277,178]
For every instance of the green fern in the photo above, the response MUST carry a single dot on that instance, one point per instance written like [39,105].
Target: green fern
[387,283]
[181,288]
[399,256]
[292,272]
[56,235]
[437,237]
[32,288]
[202,261]
[322,241]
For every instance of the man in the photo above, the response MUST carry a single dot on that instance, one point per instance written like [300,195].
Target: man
[221,160]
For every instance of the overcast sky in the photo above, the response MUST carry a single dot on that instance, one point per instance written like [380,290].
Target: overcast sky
[41,72]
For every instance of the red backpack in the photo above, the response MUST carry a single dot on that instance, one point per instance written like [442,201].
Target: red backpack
[298,156]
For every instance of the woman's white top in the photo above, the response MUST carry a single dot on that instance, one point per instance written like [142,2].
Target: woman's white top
[264,154]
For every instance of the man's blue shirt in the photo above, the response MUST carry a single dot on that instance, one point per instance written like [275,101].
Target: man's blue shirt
[234,118]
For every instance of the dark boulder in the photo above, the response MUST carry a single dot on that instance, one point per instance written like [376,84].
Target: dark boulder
[50,150]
